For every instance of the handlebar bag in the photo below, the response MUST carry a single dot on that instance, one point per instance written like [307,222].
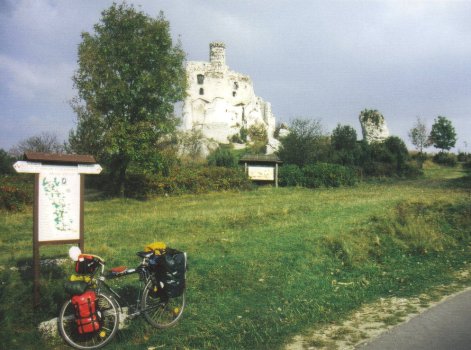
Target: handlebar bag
[86,317]
[86,264]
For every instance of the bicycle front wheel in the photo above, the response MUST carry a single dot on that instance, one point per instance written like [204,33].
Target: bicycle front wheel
[108,315]
[160,310]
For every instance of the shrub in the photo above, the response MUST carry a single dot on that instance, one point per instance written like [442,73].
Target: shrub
[187,180]
[464,157]
[378,169]
[291,175]
[447,159]
[420,158]
[222,157]
[6,163]
[317,175]
[328,175]
[411,170]
[16,192]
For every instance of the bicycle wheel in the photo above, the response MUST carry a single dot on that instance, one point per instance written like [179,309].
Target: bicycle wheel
[108,314]
[159,310]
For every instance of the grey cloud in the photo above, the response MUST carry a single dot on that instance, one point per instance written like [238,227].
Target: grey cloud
[319,59]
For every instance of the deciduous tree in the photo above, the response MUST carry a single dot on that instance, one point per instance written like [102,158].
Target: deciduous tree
[45,142]
[129,76]
[306,143]
[418,135]
[443,134]
[345,149]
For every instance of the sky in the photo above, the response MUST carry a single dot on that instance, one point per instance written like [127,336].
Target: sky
[323,60]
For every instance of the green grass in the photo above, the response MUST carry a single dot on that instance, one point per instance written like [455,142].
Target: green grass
[264,265]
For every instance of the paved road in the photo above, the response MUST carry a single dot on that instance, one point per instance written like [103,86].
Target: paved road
[446,326]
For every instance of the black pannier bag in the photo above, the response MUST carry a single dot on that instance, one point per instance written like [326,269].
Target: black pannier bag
[171,271]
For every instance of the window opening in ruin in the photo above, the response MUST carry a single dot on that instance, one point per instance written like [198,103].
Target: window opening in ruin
[201,91]
[236,85]
[234,93]
[200,79]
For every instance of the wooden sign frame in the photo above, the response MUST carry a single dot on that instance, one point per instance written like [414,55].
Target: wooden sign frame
[261,168]
[56,164]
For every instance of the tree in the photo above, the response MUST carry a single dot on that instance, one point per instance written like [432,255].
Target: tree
[443,134]
[129,77]
[305,143]
[345,149]
[258,137]
[343,137]
[45,143]
[87,138]
[418,135]
[6,163]
[222,156]
[397,151]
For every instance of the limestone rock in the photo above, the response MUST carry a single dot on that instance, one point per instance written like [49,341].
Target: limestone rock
[373,126]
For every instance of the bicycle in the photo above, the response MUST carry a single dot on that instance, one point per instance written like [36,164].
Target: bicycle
[160,302]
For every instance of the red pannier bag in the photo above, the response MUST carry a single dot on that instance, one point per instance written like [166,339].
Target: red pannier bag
[85,312]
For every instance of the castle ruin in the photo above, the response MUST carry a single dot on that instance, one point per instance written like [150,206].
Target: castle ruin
[221,103]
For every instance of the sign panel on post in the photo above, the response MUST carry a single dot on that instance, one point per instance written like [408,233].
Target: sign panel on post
[58,200]
[58,209]
[261,173]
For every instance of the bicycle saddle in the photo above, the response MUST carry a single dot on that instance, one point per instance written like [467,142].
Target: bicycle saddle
[145,254]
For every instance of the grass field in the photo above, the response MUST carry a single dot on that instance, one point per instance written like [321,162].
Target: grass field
[264,265]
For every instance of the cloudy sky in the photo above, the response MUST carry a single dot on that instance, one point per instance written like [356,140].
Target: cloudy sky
[324,60]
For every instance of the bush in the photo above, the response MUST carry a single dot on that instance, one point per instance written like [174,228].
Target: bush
[447,159]
[464,157]
[291,175]
[222,157]
[16,192]
[412,170]
[378,169]
[328,175]
[317,175]
[6,163]
[187,180]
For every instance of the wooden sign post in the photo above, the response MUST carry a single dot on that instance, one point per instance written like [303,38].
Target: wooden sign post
[261,168]
[58,200]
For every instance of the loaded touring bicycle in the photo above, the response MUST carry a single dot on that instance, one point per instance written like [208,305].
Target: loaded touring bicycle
[90,318]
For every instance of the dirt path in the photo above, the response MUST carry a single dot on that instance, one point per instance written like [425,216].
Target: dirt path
[373,319]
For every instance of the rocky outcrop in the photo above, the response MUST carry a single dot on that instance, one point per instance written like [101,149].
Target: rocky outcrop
[373,126]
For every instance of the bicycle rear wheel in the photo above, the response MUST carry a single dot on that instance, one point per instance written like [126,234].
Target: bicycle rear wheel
[159,310]
[108,314]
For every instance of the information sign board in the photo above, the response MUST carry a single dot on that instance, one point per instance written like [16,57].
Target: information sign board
[58,200]
[58,206]
[261,173]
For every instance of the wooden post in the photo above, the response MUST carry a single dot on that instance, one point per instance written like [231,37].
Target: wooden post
[36,256]
[276,175]
[81,241]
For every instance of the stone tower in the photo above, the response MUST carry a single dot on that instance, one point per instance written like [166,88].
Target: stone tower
[217,56]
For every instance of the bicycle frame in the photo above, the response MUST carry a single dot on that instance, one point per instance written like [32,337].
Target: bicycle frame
[144,277]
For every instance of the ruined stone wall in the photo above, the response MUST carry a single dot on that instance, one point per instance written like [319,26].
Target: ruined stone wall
[220,101]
